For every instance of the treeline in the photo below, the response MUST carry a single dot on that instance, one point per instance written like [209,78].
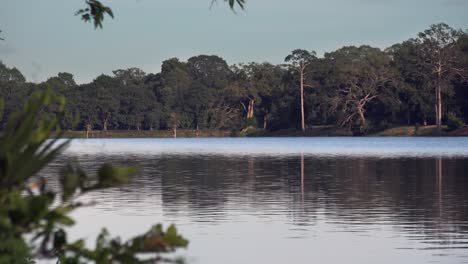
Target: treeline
[421,81]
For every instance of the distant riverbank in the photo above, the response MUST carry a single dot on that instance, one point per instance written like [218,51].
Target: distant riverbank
[317,131]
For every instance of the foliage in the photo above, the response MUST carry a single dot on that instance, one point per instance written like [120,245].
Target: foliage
[454,122]
[360,75]
[33,216]
[361,89]
[301,58]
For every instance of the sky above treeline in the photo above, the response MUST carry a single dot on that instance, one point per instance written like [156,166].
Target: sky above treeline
[44,37]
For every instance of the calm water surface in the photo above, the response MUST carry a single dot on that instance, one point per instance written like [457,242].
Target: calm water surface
[288,200]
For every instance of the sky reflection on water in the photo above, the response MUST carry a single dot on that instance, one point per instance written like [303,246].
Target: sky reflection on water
[318,146]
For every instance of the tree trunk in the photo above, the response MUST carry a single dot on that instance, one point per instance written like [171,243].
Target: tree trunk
[265,121]
[175,131]
[361,116]
[104,122]
[250,109]
[88,129]
[197,131]
[252,101]
[302,101]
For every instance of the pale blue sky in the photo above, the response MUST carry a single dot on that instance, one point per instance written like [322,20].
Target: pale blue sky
[43,37]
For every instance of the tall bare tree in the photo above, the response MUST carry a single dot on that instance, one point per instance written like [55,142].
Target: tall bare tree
[301,60]
[439,53]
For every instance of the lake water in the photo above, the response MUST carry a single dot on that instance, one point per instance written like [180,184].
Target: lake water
[287,200]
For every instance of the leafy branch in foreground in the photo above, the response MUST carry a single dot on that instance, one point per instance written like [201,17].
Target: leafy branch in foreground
[33,217]
[95,11]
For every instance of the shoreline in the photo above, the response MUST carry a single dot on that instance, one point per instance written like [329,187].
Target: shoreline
[318,131]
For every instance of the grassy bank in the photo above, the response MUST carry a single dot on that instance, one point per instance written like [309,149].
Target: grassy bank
[315,131]
[422,131]
[403,131]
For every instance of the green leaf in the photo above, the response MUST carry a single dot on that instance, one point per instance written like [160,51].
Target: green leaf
[59,217]
[70,181]
[158,240]
[111,176]
[173,239]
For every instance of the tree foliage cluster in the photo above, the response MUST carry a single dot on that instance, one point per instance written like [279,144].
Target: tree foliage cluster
[363,89]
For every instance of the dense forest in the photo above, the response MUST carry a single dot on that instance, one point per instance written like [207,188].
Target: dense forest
[421,81]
